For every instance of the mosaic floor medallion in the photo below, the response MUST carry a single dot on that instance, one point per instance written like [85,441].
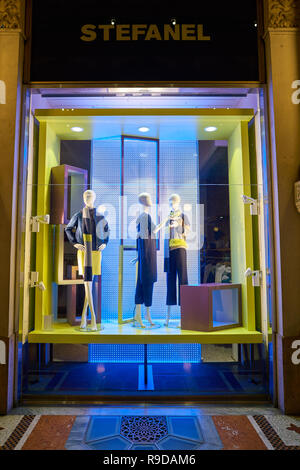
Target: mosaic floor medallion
[141,429]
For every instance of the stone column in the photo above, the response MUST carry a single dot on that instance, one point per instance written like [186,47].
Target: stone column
[11,69]
[282,39]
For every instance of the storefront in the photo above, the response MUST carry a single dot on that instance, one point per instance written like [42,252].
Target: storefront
[145,250]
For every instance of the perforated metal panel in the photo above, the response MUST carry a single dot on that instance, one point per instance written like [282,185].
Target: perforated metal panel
[105,181]
[177,172]
[134,353]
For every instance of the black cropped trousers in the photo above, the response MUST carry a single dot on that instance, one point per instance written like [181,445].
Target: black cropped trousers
[177,268]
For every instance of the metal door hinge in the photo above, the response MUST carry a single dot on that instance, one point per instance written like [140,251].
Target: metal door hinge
[36,220]
[256,277]
[254,207]
[34,280]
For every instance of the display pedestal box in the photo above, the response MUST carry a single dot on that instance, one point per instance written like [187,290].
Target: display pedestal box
[211,307]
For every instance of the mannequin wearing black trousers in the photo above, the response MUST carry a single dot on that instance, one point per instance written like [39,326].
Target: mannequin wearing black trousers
[175,262]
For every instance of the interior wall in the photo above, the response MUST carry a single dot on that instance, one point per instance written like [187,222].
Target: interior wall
[76,153]
[106,181]
[214,194]
[179,173]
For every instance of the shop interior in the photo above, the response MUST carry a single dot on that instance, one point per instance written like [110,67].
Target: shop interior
[206,146]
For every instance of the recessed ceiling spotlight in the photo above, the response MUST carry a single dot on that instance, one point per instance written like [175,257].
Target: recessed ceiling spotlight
[144,129]
[76,129]
[210,129]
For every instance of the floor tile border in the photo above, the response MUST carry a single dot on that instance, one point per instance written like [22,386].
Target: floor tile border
[18,433]
[272,435]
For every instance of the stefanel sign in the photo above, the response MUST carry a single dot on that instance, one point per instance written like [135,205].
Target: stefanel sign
[126,32]
[117,41]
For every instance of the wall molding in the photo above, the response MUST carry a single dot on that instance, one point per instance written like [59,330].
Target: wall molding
[282,14]
[12,14]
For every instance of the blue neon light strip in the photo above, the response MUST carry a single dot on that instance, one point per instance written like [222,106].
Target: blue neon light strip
[134,353]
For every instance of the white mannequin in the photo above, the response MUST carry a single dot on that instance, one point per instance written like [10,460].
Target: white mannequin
[174,203]
[146,204]
[89,198]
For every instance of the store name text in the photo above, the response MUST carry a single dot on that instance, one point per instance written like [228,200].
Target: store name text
[126,32]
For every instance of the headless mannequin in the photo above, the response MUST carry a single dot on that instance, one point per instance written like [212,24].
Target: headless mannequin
[89,198]
[146,203]
[174,203]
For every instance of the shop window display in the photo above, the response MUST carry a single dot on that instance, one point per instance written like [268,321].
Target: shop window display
[141,228]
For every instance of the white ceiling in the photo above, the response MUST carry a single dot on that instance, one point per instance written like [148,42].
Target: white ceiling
[91,98]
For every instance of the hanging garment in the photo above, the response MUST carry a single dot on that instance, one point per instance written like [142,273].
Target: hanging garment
[91,230]
[226,278]
[220,268]
[209,274]
[147,261]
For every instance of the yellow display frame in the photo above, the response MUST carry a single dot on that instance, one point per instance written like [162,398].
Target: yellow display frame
[123,333]
[126,334]
[123,248]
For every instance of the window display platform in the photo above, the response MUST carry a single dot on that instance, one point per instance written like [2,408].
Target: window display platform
[127,334]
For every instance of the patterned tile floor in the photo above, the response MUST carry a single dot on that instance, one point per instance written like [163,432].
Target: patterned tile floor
[161,429]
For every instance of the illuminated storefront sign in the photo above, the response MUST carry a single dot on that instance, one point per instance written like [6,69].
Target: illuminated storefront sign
[120,41]
[126,32]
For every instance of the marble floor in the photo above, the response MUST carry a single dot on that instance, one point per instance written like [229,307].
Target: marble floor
[141,427]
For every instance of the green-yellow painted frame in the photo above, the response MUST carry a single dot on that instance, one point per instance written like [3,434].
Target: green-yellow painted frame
[239,175]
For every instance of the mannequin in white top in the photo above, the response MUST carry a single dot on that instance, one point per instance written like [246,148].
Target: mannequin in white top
[175,252]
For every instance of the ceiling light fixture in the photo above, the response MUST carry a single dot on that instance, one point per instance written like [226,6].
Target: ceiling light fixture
[144,129]
[210,129]
[76,129]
